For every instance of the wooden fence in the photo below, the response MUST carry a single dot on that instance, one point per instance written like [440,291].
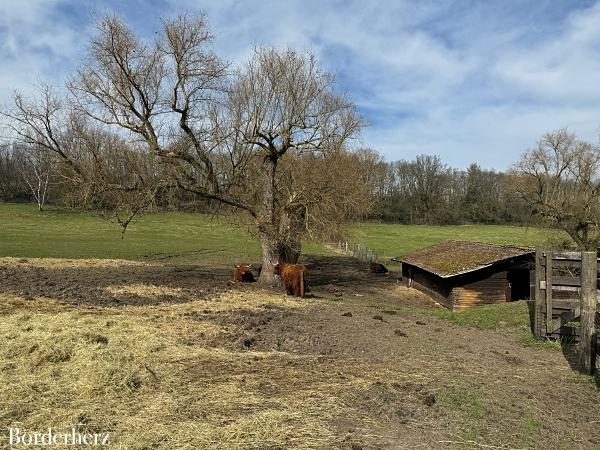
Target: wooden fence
[359,251]
[566,297]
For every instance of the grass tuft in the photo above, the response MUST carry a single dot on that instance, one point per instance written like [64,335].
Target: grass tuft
[487,317]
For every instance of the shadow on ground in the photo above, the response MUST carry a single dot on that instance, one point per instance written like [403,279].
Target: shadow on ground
[128,283]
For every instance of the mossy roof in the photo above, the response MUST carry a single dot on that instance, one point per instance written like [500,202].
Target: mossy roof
[452,258]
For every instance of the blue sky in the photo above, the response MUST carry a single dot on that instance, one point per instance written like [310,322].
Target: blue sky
[471,81]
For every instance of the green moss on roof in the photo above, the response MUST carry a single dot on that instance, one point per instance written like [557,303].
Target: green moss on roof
[455,257]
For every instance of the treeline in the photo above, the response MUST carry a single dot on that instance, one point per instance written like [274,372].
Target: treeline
[29,174]
[422,191]
[427,191]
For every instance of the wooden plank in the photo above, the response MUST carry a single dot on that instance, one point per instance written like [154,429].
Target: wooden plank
[537,317]
[566,288]
[566,281]
[549,292]
[564,263]
[565,303]
[587,339]
[571,256]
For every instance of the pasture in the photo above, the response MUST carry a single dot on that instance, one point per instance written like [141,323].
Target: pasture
[146,338]
[389,240]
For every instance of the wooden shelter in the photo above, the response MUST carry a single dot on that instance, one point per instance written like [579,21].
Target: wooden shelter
[460,274]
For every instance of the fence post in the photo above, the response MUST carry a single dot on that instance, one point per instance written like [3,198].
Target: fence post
[549,308]
[587,338]
[537,312]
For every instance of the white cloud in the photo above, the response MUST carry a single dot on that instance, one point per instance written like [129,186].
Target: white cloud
[472,81]
[564,69]
[36,45]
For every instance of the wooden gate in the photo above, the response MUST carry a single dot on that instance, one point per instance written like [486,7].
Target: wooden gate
[566,296]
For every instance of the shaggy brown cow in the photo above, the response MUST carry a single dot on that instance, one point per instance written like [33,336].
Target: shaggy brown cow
[377,268]
[242,274]
[293,277]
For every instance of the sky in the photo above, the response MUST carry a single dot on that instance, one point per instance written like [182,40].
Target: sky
[470,81]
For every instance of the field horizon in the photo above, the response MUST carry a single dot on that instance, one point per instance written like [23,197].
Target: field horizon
[191,237]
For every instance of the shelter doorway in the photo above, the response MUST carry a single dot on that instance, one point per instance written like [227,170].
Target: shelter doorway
[518,282]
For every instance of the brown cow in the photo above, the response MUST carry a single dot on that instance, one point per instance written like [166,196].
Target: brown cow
[293,277]
[242,274]
[377,268]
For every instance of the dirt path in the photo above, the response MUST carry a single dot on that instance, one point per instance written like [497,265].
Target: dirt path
[358,364]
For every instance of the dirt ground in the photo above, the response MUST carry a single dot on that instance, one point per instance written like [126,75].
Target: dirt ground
[358,364]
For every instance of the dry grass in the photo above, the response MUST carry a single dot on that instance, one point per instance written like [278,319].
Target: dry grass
[146,376]
[143,290]
[56,263]
[244,368]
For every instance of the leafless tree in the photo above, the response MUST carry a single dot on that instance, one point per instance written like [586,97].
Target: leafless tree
[235,143]
[41,123]
[12,184]
[560,181]
[283,111]
[99,168]
[37,173]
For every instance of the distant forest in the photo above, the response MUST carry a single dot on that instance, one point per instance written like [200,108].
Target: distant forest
[427,191]
[421,191]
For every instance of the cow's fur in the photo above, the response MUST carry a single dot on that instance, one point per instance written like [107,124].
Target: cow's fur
[293,277]
[242,274]
[377,268]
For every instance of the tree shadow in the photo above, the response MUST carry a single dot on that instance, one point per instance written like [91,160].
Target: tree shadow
[344,271]
[568,342]
[127,284]
[106,283]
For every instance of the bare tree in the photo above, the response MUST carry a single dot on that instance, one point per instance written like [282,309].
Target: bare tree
[41,123]
[99,169]
[236,144]
[12,163]
[559,179]
[281,109]
[37,172]
[269,139]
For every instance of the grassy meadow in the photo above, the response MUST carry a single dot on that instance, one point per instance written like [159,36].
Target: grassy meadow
[389,240]
[187,237]
[172,236]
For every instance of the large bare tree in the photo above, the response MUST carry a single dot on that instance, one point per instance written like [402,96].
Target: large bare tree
[560,181]
[269,139]
[284,115]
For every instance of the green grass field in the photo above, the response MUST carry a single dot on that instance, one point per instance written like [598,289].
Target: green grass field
[389,240]
[26,232]
[187,237]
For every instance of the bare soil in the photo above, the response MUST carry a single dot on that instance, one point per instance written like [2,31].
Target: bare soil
[360,343]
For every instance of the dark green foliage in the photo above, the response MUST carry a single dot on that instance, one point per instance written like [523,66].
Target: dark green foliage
[426,191]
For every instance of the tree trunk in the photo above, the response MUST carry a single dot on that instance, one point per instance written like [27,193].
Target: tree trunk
[270,254]
[289,253]
[267,225]
[275,252]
